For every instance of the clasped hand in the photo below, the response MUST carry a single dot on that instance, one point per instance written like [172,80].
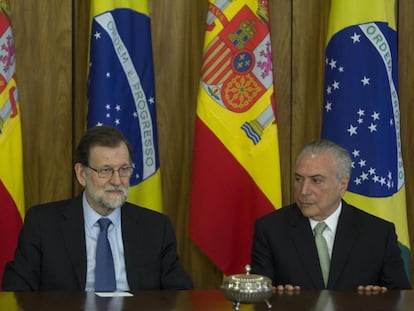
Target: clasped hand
[362,289]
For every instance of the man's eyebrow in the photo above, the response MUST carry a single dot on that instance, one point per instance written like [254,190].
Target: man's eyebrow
[312,176]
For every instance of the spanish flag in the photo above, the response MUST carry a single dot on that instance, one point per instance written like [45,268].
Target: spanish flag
[236,172]
[121,90]
[11,151]
[361,107]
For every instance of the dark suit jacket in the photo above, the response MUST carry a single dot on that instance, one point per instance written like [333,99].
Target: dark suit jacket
[51,252]
[365,251]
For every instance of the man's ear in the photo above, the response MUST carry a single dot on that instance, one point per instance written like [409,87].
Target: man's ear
[344,185]
[80,173]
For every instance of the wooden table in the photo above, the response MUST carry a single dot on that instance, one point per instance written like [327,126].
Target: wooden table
[203,300]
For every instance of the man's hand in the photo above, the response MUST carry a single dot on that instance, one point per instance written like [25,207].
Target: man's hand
[371,289]
[287,289]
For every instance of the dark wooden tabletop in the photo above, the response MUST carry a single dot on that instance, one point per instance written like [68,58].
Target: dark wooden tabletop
[206,300]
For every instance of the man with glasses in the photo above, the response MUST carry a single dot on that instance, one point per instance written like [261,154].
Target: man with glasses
[97,241]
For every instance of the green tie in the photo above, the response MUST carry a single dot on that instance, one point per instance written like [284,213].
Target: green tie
[323,252]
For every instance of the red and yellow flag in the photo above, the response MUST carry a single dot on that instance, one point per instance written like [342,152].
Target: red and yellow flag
[236,172]
[11,153]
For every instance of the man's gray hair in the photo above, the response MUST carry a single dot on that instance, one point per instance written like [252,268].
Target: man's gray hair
[341,155]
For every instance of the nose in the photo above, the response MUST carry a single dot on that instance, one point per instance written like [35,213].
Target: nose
[116,178]
[305,187]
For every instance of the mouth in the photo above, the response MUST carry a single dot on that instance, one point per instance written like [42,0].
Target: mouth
[115,194]
[305,204]
[115,191]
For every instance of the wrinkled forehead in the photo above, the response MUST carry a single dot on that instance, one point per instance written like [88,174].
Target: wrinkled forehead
[105,155]
[311,163]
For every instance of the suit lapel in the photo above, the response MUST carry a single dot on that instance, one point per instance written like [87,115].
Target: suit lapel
[73,231]
[346,234]
[131,229]
[302,237]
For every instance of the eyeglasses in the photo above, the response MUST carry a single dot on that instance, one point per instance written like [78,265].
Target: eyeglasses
[108,172]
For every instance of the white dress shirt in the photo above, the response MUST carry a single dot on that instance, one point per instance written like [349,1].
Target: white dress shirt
[115,240]
[330,230]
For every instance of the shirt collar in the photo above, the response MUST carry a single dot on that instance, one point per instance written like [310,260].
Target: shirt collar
[91,216]
[331,221]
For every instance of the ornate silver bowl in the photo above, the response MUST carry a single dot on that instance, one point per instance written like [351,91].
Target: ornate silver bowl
[247,288]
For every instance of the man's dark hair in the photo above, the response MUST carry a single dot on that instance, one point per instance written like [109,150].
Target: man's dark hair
[104,136]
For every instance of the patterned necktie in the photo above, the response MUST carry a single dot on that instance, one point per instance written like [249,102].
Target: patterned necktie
[104,269]
[323,252]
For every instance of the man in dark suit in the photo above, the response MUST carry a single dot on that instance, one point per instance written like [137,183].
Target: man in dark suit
[58,242]
[363,250]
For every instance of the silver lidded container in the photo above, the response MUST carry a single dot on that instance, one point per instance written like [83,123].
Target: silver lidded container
[247,289]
